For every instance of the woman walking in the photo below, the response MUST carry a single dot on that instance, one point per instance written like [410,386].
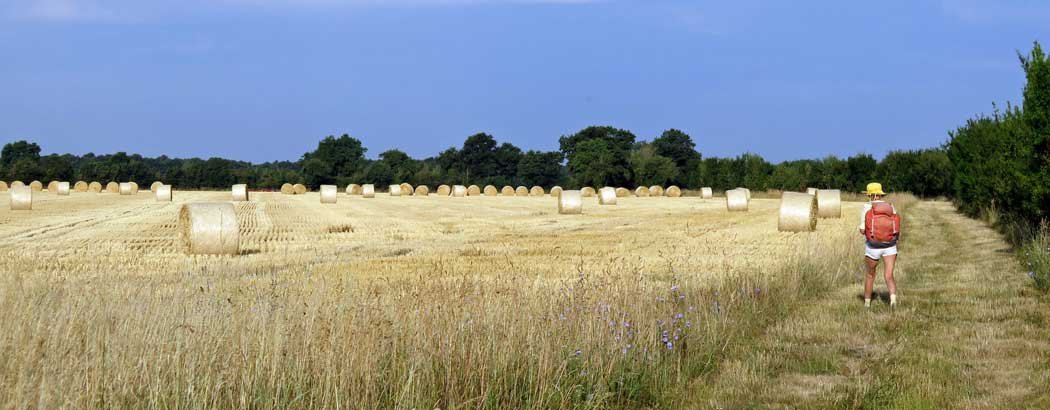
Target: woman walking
[880,225]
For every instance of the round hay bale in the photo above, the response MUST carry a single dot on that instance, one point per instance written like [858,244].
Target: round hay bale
[368,191]
[124,188]
[3,186]
[444,190]
[209,229]
[656,190]
[62,188]
[555,191]
[706,193]
[491,190]
[95,186]
[287,189]
[163,193]
[422,191]
[80,186]
[736,200]
[353,189]
[16,184]
[153,187]
[21,198]
[473,190]
[537,191]
[394,190]
[641,192]
[798,212]
[588,192]
[134,188]
[507,191]
[36,186]
[747,192]
[673,191]
[52,186]
[521,191]
[607,196]
[829,203]
[459,191]
[300,189]
[113,187]
[623,192]
[329,193]
[240,192]
[406,189]
[570,202]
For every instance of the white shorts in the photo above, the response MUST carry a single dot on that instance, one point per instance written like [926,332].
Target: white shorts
[877,254]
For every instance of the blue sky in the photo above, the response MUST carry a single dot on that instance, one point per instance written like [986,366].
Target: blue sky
[264,80]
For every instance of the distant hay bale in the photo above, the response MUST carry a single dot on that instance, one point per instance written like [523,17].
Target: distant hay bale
[209,229]
[798,212]
[353,189]
[521,191]
[570,202]
[706,193]
[300,189]
[736,200]
[473,190]
[623,192]
[406,189]
[607,196]
[287,189]
[537,191]
[329,193]
[394,190]
[153,187]
[555,191]
[3,186]
[124,188]
[656,190]
[673,191]
[459,191]
[62,188]
[52,186]
[491,190]
[422,191]
[811,191]
[240,192]
[829,203]
[16,184]
[80,186]
[746,192]
[507,191]
[134,188]
[368,191]
[113,187]
[587,192]
[21,198]
[36,186]
[163,193]
[444,190]
[641,192]
[95,186]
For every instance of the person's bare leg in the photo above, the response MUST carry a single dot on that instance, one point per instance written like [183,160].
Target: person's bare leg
[869,279]
[890,282]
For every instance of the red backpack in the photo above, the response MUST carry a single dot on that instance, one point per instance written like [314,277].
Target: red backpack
[881,224]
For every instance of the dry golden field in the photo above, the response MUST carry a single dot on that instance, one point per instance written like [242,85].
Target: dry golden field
[396,302]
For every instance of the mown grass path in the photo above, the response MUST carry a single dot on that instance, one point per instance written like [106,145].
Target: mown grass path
[971,333]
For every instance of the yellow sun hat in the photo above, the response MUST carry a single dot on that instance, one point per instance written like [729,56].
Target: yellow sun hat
[874,188]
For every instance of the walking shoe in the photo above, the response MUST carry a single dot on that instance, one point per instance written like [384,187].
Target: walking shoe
[893,299]
[867,303]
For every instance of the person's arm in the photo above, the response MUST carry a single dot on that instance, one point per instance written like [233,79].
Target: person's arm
[863,212]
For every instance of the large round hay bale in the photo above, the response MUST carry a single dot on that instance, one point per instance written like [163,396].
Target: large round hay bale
[62,188]
[811,191]
[394,190]
[537,191]
[353,189]
[368,191]
[521,191]
[209,229]
[21,198]
[422,191]
[444,190]
[300,189]
[656,190]
[134,188]
[287,189]
[95,186]
[798,212]
[673,191]
[706,193]
[473,190]
[36,186]
[16,184]
[491,190]
[588,192]
[555,191]
[507,190]
[623,192]
[3,186]
[459,191]
[736,200]
[52,186]
[112,187]
[80,186]
[406,189]
[570,202]
[163,193]
[240,192]
[153,187]
[829,203]
[747,192]
[124,188]
[641,192]
[330,193]
[607,196]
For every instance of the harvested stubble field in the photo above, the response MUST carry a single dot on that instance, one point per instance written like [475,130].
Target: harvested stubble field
[406,302]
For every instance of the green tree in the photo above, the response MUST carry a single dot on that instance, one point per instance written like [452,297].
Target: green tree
[613,151]
[379,173]
[680,148]
[342,157]
[593,164]
[540,168]
[403,166]
[649,168]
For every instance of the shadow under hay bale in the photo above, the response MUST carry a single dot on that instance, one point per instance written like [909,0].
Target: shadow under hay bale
[209,229]
[829,203]
[798,212]
[570,202]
